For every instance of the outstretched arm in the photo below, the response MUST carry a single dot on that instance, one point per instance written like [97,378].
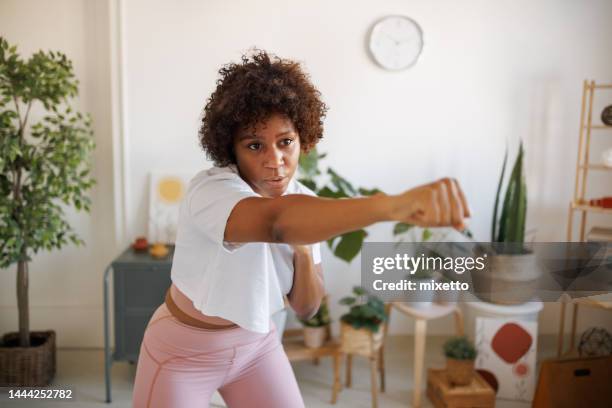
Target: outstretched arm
[298,219]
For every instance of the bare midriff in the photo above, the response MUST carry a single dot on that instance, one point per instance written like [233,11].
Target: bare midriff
[186,306]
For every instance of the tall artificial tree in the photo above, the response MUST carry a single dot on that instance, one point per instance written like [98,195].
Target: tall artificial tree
[44,167]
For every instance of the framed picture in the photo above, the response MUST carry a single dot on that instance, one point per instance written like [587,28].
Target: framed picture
[166,193]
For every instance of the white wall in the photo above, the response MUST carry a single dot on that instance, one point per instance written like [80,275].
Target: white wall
[66,285]
[490,73]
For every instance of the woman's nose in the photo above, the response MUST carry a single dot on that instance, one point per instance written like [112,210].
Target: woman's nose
[273,158]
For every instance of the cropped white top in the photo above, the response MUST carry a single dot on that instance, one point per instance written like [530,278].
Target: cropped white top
[241,282]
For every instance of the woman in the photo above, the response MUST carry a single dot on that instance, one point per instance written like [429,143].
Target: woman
[248,234]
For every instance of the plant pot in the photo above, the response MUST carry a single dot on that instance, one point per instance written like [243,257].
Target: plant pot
[459,372]
[423,299]
[27,366]
[509,279]
[450,297]
[314,337]
[359,341]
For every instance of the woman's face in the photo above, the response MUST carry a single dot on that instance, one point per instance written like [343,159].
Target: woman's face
[268,154]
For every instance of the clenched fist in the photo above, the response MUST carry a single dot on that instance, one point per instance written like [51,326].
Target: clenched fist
[438,204]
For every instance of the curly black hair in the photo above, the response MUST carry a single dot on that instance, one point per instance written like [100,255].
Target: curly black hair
[248,92]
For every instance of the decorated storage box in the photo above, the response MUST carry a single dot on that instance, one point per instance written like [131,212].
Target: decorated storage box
[507,356]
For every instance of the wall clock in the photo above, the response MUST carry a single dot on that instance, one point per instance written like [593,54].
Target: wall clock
[395,42]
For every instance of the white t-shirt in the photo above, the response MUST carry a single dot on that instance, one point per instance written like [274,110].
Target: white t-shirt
[241,282]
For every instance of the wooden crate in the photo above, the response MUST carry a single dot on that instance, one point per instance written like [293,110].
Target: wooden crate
[442,395]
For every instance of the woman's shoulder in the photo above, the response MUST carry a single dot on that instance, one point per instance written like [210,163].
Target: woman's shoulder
[217,176]
[217,182]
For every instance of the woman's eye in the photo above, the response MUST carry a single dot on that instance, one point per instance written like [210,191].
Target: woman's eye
[253,146]
[287,142]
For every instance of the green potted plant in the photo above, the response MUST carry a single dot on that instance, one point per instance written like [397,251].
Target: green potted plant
[42,166]
[460,356]
[316,329]
[512,273]
[360,327]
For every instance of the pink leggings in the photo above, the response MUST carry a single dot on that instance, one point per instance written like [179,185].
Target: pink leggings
[181,366]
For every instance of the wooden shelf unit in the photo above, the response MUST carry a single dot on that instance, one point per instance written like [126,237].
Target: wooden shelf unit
[581,204]
[583,166]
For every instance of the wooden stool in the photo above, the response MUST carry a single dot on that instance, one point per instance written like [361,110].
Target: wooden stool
[293,343]
[421,317]
[367,344]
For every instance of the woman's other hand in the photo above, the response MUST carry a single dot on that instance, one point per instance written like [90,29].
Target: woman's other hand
[438,204]
[308,289]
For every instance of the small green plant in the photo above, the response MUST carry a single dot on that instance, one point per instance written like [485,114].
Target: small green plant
[320,319]
[510,227]
[366,311]
[459,348]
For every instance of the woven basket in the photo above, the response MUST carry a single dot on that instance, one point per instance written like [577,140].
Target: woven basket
[459,372]
[27,366]
[360,341]
[509,279]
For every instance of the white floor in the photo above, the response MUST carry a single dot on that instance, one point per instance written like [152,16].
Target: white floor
[82,371]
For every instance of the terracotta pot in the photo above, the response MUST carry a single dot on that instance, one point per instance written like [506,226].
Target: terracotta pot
[32,366]
[314,337]
[459,372]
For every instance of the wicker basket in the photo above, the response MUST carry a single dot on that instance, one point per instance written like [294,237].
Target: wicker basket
[360,341]
[27,366]
[459,372]
[509,279]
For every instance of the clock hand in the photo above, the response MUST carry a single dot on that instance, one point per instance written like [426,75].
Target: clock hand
[392,39]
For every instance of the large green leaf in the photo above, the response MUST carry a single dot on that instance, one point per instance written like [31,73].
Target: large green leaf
[512,220]
[350,245]
[499,187]
[329,193]
[517,228]
[309,163]
[310,183]
[368,192]
[341,183]
[401,228]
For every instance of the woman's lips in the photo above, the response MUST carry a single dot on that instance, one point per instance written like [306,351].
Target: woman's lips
[275,181]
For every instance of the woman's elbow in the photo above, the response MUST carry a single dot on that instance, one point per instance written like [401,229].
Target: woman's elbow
[307,312]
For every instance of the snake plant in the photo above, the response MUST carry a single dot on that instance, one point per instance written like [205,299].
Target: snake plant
[510,227]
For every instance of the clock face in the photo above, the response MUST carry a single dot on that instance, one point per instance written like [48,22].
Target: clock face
[396,42]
